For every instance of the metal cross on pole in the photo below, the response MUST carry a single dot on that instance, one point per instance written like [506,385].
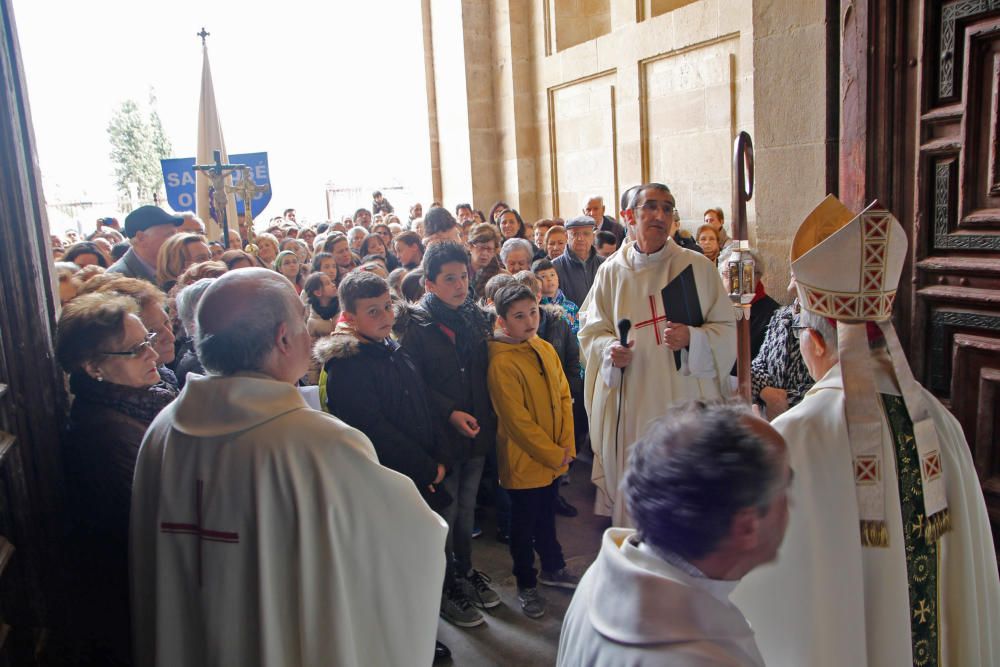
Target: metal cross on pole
[247,191]
[217,173]
[740,269]
[203,34]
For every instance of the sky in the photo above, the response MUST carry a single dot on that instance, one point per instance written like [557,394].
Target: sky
[332,91]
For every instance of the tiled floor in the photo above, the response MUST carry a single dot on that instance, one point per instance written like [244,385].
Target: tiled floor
[509,637]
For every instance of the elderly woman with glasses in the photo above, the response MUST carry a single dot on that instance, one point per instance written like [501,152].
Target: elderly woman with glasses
[110,356]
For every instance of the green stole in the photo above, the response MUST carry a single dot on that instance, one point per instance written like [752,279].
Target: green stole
[921,558]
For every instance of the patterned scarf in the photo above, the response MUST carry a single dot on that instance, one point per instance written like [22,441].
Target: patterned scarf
[468,322]
[140,404]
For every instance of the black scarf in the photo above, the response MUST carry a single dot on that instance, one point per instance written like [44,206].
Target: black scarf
[468,322]
[328,312]
[140,404]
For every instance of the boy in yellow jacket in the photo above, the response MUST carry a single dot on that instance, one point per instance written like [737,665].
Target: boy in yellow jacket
[535,441]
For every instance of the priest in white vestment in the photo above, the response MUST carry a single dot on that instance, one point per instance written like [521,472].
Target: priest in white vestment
[888,558]
[628,286]
[707,488]
[264,532]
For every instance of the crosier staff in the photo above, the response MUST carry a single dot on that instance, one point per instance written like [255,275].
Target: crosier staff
[740,267]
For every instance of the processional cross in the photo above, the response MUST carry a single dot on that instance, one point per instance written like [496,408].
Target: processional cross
[218,173]
[247,191]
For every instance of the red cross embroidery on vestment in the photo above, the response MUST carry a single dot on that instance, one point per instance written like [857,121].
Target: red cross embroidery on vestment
[932,466]
[656,319]
[866,470]
[197,530]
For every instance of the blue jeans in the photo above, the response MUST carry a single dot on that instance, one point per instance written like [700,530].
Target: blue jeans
[462,483]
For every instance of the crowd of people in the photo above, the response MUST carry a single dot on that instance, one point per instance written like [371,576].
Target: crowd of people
[456,357]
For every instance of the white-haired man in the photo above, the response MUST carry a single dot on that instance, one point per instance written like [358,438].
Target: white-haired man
[888,558]
[267,533]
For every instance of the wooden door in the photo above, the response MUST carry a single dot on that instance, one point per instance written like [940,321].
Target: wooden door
[956,272]
[920,132]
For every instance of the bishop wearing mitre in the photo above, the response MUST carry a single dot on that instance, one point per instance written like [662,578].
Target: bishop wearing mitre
[888,558]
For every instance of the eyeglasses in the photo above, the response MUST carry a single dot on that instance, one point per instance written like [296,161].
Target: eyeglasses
[132,353]
[485,246]
[797,331]
[654,206]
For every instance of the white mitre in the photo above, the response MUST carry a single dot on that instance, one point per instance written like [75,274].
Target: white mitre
[847,267]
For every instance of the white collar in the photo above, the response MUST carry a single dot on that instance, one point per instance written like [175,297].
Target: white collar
[641,260]
[720,589]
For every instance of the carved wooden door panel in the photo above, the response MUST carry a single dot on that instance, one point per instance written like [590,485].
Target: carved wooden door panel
[955,337]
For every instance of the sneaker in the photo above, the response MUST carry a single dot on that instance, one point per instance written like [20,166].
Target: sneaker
[476,531]
[564,480]
[563,508]
[457,608]
[559,579]
[503,537]
[532,604]
[441,652]
[476,587]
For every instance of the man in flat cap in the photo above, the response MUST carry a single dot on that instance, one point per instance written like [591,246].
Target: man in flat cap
[147,228]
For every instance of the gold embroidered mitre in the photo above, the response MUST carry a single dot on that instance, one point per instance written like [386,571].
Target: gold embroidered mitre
[847,266]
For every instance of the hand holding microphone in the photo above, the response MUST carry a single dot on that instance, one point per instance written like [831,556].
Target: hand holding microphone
[621,351]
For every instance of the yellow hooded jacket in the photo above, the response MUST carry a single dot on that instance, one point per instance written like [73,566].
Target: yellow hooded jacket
[531,397]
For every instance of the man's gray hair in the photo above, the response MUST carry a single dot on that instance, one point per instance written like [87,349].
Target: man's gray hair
[692,471]
[823,327]
[515,244]
[597,197]
[238,319]
[187,304]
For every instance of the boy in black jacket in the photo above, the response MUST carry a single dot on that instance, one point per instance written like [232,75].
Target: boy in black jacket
[373,386]
[445,334]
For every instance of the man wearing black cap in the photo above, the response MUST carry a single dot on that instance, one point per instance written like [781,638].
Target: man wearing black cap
[147,227]
[578,265]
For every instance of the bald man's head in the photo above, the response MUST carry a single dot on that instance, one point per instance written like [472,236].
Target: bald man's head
[239,318]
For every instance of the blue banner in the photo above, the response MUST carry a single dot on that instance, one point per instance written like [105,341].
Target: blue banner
[179,181]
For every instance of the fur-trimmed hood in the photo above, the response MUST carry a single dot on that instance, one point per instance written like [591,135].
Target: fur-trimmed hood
[407,312]
[342,343]
[345,343]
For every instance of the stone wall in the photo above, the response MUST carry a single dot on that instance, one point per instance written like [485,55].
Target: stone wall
[658,94]
[790,113]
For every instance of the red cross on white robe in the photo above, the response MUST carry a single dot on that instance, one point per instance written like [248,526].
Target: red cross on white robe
[199,531]
[654,321]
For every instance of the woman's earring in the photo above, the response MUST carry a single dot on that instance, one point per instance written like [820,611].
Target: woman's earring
[100,377]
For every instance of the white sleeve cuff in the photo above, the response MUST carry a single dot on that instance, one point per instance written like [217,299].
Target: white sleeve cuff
[611,375]
[698,359]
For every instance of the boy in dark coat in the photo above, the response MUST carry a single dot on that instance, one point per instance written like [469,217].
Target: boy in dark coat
[374,386]
[446,334]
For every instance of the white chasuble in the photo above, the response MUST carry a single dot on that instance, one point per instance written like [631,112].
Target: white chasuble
[829,602]
[628,286]
[634,608]
[264,533]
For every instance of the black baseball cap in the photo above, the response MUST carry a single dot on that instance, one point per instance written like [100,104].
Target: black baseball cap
[145,217]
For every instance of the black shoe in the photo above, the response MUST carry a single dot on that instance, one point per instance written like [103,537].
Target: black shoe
[503,537]
[563,508]
[441,652]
